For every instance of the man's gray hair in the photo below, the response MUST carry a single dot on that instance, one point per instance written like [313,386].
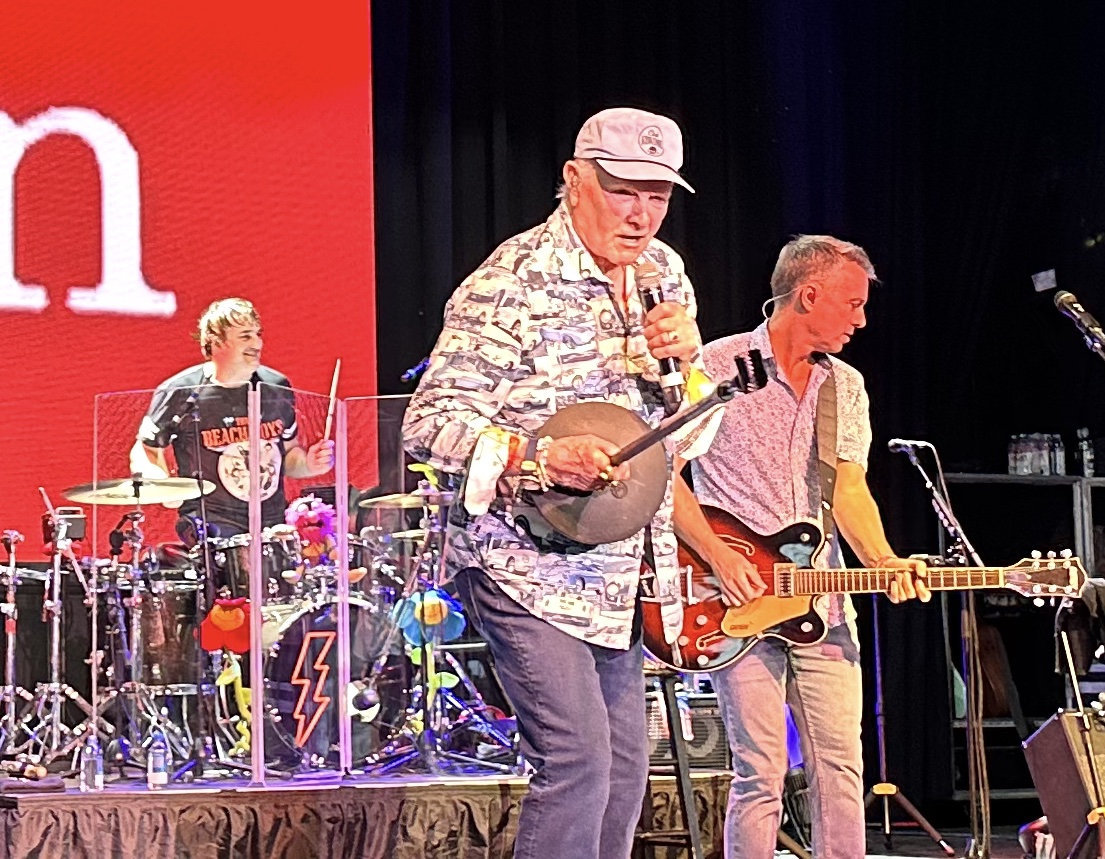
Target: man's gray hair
[806,257]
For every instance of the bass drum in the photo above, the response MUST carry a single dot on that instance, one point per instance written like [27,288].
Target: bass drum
[302,700]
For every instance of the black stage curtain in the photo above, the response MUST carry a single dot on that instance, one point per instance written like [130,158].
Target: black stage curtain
[959,143]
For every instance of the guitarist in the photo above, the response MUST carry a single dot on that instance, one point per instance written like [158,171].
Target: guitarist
[764,468]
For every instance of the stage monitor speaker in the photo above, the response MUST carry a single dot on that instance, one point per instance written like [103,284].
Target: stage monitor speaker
[707,748]
[1060,770]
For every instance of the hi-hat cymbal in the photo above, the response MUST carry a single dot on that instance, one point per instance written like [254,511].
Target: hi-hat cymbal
[131,491]
[411,501]
[414,534]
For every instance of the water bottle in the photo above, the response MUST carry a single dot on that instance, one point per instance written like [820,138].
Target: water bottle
[1023,455]
[1058,455]
[157,761]
[1085,451]
[91,765]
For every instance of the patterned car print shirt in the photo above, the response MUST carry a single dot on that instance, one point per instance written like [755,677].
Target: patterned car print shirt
[762,466]
[535,328]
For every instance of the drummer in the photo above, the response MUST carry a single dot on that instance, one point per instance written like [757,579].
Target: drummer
[201,413]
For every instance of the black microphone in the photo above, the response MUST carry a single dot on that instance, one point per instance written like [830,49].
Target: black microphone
[902,445]
[1091,329]
[671,377]
[188,408]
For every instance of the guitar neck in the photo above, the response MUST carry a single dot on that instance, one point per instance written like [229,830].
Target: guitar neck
[876,580]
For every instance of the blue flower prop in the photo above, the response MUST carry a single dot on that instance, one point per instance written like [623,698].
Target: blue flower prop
[433,614]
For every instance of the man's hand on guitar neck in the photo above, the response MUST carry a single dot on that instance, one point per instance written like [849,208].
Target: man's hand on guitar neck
[910,582]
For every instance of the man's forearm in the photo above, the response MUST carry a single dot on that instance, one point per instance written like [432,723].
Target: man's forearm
[690,523]
[148,461]
[860,523]
[296,463]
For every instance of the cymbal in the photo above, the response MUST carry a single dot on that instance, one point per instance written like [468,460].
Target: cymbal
[413,534]
[138,490]
[411,501]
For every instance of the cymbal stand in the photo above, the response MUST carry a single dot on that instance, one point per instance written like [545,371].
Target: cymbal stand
[50,737]
[422,738]
[144,715]
[10,580]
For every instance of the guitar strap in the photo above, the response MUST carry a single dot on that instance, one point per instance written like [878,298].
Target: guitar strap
[825,432]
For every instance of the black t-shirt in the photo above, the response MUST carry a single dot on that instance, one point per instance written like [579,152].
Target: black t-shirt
[216,423]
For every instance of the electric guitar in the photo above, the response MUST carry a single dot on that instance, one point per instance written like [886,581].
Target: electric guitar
[715,634]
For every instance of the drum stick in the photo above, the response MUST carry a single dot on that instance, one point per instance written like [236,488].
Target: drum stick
[333,401]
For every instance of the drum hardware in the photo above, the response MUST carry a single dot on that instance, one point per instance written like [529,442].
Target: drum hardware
[138,699]
[622,508]
[48,737]
[424,739]
[425,497]
[11,691]
[135,491]
[146,687]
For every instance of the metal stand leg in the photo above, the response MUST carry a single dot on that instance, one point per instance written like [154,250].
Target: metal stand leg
[51,738]
[885,790]
[11,691]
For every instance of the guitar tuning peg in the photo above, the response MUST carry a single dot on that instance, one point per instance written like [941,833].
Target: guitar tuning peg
[1035,554]
[1038,602]
[1052,554]
[1066,553]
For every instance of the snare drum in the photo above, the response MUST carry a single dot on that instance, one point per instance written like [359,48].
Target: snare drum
[279,558]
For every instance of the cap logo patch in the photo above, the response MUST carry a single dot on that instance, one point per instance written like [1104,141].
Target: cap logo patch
[651,141]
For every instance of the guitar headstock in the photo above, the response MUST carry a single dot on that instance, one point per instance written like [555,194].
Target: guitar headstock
[751,375]
[1051,576]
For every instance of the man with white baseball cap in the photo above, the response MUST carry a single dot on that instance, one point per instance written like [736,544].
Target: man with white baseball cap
[633,144]
[553,318]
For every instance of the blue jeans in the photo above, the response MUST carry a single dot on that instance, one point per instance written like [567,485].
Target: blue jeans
[823,686]
[581,718]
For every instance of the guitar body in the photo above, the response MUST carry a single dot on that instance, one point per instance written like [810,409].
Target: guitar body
[715,634]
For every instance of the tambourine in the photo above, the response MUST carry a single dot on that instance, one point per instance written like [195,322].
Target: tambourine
[619,510]
[615,512]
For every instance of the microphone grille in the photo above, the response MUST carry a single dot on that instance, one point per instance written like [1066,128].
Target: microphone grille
[1064,299]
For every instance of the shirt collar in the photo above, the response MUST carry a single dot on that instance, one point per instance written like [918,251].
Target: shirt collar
[562,242]
[761,340]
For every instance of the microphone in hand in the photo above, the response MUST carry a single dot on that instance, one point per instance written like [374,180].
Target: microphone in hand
[671,377]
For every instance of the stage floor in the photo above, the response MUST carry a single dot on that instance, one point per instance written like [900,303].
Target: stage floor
[398,817]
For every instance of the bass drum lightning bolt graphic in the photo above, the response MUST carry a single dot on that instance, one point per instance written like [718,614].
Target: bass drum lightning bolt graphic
[305,725]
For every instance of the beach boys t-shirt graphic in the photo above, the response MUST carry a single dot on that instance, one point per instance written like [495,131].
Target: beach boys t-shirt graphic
[222,439]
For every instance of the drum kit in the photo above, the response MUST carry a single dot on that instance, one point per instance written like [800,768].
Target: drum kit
[153,678]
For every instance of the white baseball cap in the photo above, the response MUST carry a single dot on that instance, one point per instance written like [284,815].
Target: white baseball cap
[633,144]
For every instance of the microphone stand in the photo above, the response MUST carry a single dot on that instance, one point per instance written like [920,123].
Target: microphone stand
[201,749]
[958,552]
